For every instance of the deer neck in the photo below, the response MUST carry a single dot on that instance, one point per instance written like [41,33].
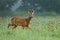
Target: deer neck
[29,18]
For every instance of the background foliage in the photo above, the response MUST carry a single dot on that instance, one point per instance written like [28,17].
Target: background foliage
[38,5]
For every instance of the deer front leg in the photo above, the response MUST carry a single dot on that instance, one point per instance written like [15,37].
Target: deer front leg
[28,27]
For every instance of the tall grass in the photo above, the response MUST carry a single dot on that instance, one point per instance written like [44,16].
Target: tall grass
[42,28]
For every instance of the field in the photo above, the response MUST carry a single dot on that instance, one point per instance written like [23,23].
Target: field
[42,28]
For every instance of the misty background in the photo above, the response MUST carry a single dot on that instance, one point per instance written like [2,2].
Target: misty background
[42,7]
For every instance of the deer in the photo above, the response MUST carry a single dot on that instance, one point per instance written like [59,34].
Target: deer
[21,21]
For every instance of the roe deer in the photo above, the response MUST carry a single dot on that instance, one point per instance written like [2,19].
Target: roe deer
[24,22]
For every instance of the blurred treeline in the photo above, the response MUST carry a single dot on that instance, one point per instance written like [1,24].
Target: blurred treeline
[38,5]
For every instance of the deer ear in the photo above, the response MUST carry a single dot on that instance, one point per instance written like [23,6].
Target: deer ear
[28,12]
[32,11]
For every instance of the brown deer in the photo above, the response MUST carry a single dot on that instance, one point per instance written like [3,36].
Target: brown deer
[24,22]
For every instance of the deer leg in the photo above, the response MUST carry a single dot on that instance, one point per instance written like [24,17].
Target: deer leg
[28,27]
[15,26]
[23,27]
[12,25]
[9,25]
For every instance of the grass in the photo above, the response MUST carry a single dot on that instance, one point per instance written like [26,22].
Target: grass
[42,28]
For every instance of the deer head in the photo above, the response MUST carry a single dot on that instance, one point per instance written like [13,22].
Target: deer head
[31,13]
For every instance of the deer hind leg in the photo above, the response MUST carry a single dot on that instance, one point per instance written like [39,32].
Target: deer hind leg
[15,26]
[9,25]
[12,25]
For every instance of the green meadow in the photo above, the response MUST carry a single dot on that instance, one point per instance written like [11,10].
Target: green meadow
[42,28]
